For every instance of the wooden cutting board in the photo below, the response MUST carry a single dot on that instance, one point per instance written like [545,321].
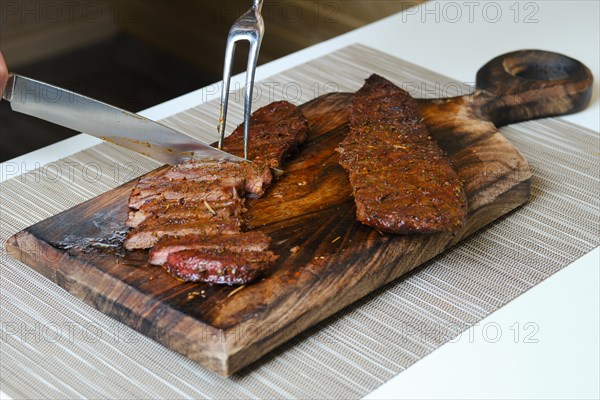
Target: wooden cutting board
[327,259]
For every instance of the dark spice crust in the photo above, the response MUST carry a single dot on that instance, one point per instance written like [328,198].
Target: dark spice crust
[276,131]
[402,181]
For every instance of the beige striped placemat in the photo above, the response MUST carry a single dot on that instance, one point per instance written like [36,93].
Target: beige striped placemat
[55,346]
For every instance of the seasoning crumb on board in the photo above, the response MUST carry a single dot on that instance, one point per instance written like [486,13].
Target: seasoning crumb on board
[295,249]
[193,295]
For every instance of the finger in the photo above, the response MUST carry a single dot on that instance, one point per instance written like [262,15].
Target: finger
[3,74]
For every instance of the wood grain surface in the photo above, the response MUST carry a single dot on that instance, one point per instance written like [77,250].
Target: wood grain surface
[327,259]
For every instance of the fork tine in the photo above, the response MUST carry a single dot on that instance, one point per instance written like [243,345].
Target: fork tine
[250,73]
[229,53]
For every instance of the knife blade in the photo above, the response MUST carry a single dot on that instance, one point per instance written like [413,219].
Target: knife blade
[124,128]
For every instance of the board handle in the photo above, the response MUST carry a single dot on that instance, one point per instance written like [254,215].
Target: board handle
[530,84]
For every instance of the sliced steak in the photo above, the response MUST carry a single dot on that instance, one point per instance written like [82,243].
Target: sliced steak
[276,131]
[190,214]
[239,242]
[191,180]
[220,267]
[226,189]
[256,176]
[402,181]
[204,170]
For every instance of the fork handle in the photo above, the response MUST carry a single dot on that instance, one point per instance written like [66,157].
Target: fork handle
[257,4]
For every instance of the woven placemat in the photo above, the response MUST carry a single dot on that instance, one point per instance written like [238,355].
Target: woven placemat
[55,346]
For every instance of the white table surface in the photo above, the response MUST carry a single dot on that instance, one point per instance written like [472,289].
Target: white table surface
[455,39]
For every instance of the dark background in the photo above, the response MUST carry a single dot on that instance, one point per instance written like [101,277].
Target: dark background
[135,54]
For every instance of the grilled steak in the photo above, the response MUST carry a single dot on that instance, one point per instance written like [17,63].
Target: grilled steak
[191,213]
[237,242]
[276,131]
[402,181]
[221,267]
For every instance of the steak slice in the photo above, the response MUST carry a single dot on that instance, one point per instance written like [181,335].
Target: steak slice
[276,131]
[226,189]
[239,242]
[182,208]
[256,176]
[220,267]
[402,181]
[151,231]
[195,180]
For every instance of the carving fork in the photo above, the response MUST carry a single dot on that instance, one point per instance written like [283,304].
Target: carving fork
[250,27]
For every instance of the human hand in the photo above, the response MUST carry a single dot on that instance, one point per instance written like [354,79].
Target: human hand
[3,74]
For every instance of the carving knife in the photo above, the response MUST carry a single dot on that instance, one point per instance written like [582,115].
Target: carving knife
[106,122]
